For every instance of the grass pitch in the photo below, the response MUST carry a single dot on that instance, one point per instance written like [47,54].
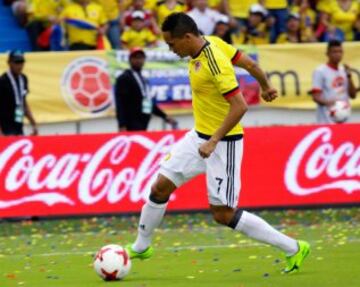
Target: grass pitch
[190,249]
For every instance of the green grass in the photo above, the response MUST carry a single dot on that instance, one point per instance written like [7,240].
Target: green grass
[190,251]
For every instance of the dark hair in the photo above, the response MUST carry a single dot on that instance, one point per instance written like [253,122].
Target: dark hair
[178,24]
[333,43]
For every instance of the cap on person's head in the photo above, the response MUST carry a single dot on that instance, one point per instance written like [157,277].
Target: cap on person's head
[293,15]
[258,9]
[223,20]
[138,15]
[136,50]
[16,56]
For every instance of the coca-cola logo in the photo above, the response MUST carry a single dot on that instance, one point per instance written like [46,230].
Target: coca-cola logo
[100,175]
[317,164]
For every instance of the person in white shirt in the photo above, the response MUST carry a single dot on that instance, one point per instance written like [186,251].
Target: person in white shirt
[331,82]
[205,17]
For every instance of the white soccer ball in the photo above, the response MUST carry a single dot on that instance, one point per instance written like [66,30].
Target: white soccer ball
[112,262]
[340,111]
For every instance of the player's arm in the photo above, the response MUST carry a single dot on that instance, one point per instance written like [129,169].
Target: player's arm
[351,86]
[316,91]
[238,108]
[245,62]
[30,117]
[317,98]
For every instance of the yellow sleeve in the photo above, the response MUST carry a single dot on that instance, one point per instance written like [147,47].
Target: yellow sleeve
[222,72]
[230,51]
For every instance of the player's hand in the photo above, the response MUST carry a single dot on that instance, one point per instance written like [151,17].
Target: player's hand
[171,121]
[206,148]
[269,94]
[35,130]
[347,70]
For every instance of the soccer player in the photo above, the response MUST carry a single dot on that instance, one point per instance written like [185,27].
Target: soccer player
[332,82]
[215,145]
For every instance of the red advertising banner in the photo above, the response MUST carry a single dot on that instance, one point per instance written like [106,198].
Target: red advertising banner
[112,173]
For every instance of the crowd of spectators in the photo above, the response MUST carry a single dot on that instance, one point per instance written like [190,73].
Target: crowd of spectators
[95,24]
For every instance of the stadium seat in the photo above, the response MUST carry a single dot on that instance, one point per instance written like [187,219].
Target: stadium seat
[12,36]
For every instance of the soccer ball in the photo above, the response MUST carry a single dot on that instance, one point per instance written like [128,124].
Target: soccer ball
[340,111]
[112,262]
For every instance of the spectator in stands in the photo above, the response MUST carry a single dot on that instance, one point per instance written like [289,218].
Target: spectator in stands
[239,9]
[19,10]
[42,15]
[294,32]
[134,105]
[138,35]
[167,7]
[331,82]
[112,12]
[256,31]
[150,21]
[277,10]
[342,15]
[308,16]
[13,98]
[204,17]
[222,29]
[85,22]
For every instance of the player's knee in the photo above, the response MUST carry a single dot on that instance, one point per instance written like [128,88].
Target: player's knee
[222,217]
[161,190]
[158,194]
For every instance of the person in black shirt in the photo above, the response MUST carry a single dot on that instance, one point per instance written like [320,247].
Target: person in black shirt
[134,105]
[13,103]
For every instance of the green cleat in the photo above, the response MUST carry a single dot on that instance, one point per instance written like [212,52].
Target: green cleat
[294,262]
[146,254]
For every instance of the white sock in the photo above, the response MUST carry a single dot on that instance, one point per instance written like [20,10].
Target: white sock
[151,216]
[257,228]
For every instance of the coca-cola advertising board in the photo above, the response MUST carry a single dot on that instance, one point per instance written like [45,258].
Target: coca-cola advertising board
[112,173]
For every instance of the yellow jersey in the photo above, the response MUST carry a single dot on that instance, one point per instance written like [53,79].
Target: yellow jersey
[276,4]
[132,38]
[43,9]
[93,14]
[162,11]
[150,4]
[240,8]
[213,80]
[214,4]
[344,20]
[111,8]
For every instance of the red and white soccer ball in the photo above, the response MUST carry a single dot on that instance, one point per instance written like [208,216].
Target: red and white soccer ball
[340,111]
[112,262]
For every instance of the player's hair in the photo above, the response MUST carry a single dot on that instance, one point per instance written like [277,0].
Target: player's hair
[333,43]
[178,24]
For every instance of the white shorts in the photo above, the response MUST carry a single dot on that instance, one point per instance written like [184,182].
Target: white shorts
[222,168]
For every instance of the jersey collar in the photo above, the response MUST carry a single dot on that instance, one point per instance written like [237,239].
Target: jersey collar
[331,66]
[207,43]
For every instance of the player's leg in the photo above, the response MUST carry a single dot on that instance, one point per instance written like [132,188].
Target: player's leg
[223,178]
[254,227]
[152,213]
[180,165]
